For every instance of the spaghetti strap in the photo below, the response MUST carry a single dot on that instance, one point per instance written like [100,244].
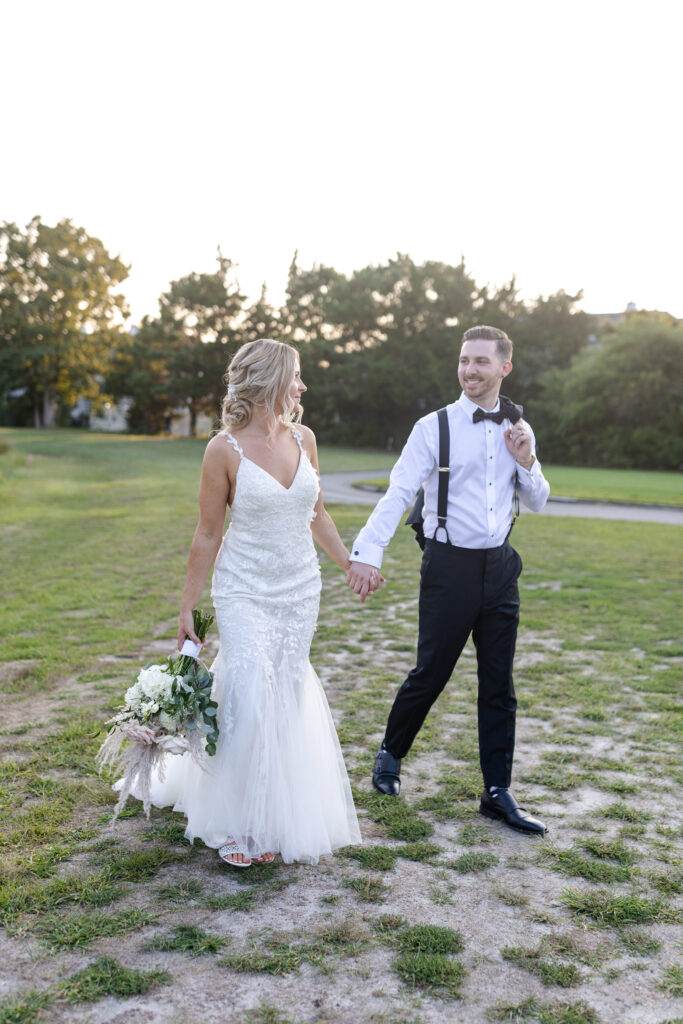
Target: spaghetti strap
[298,438]
[231,440]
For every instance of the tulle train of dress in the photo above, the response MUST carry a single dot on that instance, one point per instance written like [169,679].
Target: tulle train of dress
[278,780]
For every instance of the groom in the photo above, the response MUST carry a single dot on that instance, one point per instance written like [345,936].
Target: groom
[468,578]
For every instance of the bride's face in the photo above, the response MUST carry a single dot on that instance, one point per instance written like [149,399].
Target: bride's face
[297,388]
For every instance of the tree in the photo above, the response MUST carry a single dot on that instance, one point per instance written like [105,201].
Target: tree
[179,358]
[547,335]
[198,322]
[59,315]
[619,403]
[380,348]
[139,372]
[261,320]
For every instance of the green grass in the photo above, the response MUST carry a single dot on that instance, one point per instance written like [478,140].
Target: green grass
[19,897]
[615,484]
[639,943]
[551,972]
[106,977]
[615,850]
[475,834]
[429,938]
[23,1009]
[187,938]
[608,909]
[474,861]
[430,971]
[188,891]
[672,981]
[668,882]
[373,858]
[424,954]
[367,889]
[630,485]
[243,901]
[278,958]
[93,546]
[265,1014]
[278,954]
[138,865]
[535,1011]
[624,812]
[76,931]
[397,817]
[571,862]
[421,852]
[544,962]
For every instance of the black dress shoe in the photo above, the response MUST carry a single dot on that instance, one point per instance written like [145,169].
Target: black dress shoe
[502,806]
[386,775]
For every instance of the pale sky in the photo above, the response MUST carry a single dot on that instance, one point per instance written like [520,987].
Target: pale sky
[536,138]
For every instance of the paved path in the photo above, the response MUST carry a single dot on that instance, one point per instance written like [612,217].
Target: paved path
[338,489]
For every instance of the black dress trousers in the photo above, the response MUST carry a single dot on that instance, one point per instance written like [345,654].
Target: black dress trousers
[463,591]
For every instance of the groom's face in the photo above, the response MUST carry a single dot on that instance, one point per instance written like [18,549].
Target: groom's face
[481,370]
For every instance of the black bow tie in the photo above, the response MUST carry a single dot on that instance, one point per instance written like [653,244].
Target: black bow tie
[479,414]
[507,411]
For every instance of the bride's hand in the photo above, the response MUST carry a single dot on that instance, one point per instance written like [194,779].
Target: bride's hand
[186,629]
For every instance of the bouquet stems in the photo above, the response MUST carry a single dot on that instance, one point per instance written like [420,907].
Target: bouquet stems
[201,622]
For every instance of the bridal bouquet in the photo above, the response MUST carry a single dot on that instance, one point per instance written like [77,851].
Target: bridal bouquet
[167,710]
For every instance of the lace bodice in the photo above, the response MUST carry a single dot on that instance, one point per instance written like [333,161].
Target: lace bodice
[269,541]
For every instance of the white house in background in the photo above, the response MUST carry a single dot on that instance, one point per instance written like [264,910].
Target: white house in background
[180,424]
[112,418]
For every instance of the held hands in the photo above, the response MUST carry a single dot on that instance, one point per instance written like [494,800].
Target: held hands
[518,441]
[363,579]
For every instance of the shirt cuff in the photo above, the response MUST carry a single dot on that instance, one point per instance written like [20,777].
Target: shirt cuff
[363,551]
[533,470]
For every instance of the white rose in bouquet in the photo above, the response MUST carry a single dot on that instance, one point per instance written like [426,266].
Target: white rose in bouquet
[167,722]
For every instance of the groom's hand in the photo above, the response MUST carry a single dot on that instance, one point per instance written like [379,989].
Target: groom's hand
[363,579]
[518,441]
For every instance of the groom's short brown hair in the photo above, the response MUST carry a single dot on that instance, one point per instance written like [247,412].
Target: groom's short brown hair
[483,333]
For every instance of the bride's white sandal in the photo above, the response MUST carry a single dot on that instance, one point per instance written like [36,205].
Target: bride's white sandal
[234,849]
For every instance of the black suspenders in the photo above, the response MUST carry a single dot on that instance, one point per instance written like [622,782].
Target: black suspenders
[415,515]
[513,413]
[444,472]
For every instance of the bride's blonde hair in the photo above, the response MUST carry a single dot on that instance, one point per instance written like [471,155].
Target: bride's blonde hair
[261,373]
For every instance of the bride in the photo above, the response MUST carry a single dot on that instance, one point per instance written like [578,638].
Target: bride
[277,783]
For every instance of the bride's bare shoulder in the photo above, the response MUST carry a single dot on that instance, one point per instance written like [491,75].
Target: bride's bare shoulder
[305,431]
[220,449]
[307,436]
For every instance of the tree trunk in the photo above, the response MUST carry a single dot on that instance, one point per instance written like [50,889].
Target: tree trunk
[193,421]
[49,408]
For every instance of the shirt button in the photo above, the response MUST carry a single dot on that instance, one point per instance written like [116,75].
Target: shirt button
[355,552]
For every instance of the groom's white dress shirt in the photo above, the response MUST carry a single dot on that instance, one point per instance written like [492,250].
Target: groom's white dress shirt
[480,491]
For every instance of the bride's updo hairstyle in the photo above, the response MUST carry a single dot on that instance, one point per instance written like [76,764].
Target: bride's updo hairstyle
[260,373]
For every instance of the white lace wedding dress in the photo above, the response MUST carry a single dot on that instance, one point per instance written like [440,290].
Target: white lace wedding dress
[278,780]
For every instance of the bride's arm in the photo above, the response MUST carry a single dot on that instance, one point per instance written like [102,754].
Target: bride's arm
[219,469]
[324,531]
